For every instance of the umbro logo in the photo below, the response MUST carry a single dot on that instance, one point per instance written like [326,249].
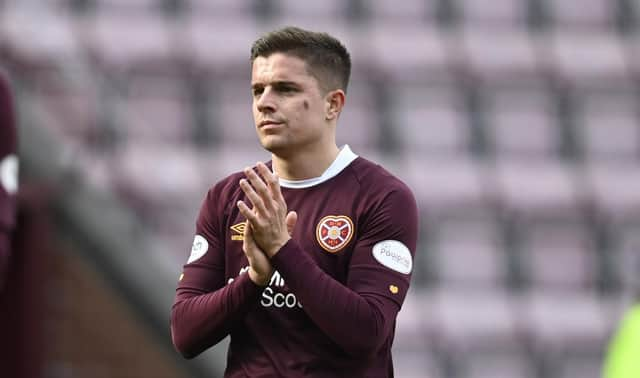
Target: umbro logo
[238,230]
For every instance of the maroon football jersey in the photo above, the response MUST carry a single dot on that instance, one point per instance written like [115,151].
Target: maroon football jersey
[330,307]
[8,173]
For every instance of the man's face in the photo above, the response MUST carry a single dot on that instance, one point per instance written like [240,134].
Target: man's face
[289,108]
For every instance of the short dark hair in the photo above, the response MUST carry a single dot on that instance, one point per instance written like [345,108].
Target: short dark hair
[326,57]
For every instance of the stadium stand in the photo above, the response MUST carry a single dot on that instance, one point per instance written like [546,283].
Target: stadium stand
[516,123]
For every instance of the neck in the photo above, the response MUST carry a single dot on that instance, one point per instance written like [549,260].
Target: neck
[305,164]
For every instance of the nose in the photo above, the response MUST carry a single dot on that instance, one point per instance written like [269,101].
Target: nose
[265,102]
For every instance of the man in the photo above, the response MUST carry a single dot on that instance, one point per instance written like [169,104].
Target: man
[312,292]
[623,356]
[8,176]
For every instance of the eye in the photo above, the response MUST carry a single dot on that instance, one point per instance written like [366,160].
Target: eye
[257,91]
[285,88]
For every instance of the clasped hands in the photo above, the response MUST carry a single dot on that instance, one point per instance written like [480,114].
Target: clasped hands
[269,226]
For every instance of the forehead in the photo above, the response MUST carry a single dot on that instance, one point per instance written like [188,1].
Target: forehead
[279,67]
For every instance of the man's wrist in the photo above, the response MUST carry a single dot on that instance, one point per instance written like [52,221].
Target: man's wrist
[274,250]
[257,278]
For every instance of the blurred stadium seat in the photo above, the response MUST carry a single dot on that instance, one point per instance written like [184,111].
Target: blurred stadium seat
[587,59]
[476,240]
[503,14]
[409,53]
[515,122]
[429,120]
[589,14]
[493,56]
[521,123]
[610,126]
[412,12]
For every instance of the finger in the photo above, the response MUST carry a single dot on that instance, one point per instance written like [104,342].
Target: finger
[247,212]
[292,219]
[259,186]
[265,172]
[247,241]
[272,181]
[255,199]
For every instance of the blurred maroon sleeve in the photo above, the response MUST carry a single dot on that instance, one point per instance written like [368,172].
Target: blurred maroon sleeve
[8,174]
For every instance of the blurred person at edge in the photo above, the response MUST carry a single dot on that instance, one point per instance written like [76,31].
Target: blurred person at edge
[622,359]
[8,175]
[313,292]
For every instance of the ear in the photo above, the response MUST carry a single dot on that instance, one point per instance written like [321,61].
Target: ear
[334,102]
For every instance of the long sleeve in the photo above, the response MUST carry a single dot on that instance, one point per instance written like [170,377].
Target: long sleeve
[8,175]
[201,320]
[206,307]
[360,315]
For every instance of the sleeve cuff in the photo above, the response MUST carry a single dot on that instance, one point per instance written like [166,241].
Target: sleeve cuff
[293,263]
[247,286]
[290,253]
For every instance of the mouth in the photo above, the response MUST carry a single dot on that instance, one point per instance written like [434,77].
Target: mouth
[269,124]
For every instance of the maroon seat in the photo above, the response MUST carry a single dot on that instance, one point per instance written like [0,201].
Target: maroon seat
[587,59]
[124,42]
[500,363]
[521,123]
[231,111]
[539,190]
[429,120]
[129,6]
[158,175]
[230,9]
[468,239]
[218,44]
[502,13]
[627,258]
[614,190]
[408,12]
[300,11]
[358,126]
[496,56]
[156,108]
[491,326]
[448,186]
[45,39]
[586,14]
[409,52]
[75,105]
[564,321]
[609,126]
[549,249]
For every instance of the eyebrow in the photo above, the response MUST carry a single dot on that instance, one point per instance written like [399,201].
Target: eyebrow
[280,83]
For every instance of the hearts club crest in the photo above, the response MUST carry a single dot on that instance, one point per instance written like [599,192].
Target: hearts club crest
[334,232]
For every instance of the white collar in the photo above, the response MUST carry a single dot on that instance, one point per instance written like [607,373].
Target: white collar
[344,158]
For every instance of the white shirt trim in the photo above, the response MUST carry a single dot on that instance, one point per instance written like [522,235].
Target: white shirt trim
[344,158]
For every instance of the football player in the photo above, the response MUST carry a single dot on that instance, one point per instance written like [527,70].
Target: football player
[305,260]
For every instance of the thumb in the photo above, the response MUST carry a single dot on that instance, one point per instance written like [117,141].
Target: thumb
[291,220]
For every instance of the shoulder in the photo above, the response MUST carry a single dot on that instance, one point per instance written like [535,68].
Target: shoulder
[386,205]
[227,185]
[224,192]
[375,179]
[218,203]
